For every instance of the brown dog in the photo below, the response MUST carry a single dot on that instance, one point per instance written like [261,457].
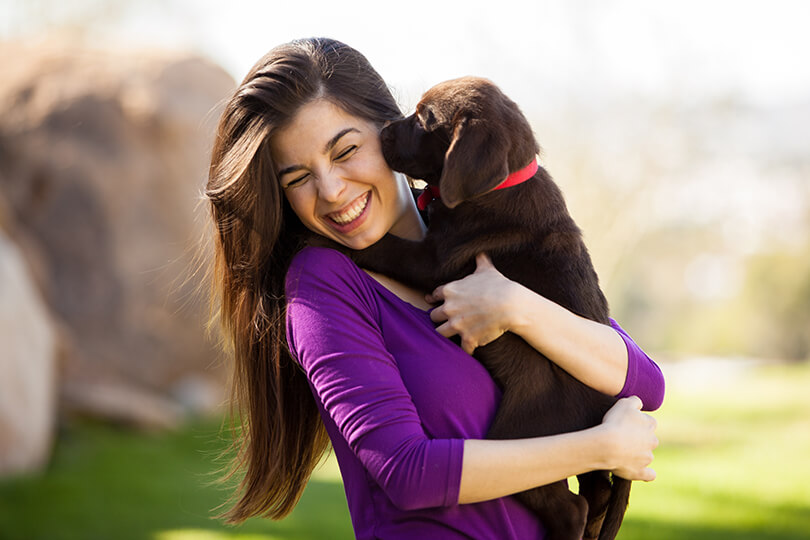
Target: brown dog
[465,138]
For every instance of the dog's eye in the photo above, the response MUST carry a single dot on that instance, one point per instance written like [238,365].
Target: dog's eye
[346,153]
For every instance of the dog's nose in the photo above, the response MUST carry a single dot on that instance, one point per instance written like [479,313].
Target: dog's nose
[387,133]
[388,145]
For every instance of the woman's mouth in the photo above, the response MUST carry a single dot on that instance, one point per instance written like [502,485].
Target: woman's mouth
[349,216]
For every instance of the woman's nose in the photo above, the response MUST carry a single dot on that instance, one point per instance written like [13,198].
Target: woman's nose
[330,187]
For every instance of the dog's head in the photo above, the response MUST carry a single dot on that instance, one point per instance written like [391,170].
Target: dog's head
[465,137]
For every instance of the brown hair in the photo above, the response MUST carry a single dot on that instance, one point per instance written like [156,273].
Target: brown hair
[280,436]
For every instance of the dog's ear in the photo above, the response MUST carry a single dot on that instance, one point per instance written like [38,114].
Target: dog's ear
[475,163]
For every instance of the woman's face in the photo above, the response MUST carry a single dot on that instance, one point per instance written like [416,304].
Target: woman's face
[331,168]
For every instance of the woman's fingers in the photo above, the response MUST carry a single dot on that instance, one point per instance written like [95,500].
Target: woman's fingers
[438,314]
[436,296]
[447,330]
[632,439]
[634,402]
[483,262]
[647,475]
[631,403]
[475,307]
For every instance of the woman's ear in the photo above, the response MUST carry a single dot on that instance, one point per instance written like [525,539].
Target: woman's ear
[475,163]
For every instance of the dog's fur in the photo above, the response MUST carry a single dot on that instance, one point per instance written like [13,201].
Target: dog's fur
[465,137]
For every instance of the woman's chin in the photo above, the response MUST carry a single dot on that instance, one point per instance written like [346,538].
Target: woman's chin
[358,243]
[358,237]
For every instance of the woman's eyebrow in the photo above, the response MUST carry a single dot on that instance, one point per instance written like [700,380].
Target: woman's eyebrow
[327,147]
[334,140]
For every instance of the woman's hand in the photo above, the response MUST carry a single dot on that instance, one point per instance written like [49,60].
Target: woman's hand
[482,306]
[630,440]
[477,308]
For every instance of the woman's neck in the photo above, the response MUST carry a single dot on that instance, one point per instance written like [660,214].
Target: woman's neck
[410,225]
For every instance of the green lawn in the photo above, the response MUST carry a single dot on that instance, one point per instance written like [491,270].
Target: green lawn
[734,463]
[734,460]
[108,483]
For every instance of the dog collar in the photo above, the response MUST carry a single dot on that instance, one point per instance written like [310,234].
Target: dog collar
[517,177]
[430,193]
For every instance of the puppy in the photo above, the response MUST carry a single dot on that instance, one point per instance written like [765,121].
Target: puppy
[477,152]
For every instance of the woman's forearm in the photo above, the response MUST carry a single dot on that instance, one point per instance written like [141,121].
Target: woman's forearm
[591,352]
[623,443]
[497,468]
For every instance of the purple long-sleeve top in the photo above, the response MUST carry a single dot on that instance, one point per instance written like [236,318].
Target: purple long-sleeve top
[398,399]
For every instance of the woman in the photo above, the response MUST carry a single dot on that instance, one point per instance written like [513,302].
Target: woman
[297,151]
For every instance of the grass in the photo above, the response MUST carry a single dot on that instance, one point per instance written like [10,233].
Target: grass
[108,483]
[733,460]
[733,464]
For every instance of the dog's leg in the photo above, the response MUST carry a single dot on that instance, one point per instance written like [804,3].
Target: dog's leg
[595,487]
[616,507]
[562,513]
[412,263]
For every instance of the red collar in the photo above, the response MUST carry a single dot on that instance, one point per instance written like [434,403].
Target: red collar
[517,177]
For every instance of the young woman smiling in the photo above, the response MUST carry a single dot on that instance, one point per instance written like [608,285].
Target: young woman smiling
[325,350]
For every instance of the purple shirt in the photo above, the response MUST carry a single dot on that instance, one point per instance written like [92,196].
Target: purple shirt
[398,399]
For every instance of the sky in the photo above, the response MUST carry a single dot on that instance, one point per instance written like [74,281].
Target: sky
[684,50]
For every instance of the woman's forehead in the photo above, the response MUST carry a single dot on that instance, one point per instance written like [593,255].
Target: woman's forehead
[313,128]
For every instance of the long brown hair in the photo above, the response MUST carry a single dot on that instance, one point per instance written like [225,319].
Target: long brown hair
[279,434]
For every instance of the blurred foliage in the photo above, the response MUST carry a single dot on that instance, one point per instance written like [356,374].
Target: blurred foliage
[762,307]
[697,218]
[777,289]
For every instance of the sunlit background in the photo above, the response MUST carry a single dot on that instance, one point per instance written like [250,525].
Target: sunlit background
[678,131]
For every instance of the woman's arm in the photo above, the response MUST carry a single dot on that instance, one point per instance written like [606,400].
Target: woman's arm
[333,332]
[485,304]
[623,443]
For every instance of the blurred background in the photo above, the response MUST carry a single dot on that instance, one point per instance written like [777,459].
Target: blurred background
[678,131]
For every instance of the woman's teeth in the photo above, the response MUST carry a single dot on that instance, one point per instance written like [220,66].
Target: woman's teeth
[350,214]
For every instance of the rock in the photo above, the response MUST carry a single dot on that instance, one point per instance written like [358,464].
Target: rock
[123,404]
[104,155]
[27,367]
[198,395]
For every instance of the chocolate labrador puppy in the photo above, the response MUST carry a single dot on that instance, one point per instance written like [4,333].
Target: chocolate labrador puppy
[477,152]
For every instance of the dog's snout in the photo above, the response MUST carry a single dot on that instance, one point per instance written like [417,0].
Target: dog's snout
[389,145]
[386,135]
[408,148]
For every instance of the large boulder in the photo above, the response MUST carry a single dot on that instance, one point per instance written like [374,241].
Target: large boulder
[104,155]
[27,367]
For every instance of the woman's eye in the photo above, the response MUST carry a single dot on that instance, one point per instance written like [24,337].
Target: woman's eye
[346,153]
[297,181]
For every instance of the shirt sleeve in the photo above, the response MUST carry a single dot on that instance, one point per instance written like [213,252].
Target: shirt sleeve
[644,377]
[333,332]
